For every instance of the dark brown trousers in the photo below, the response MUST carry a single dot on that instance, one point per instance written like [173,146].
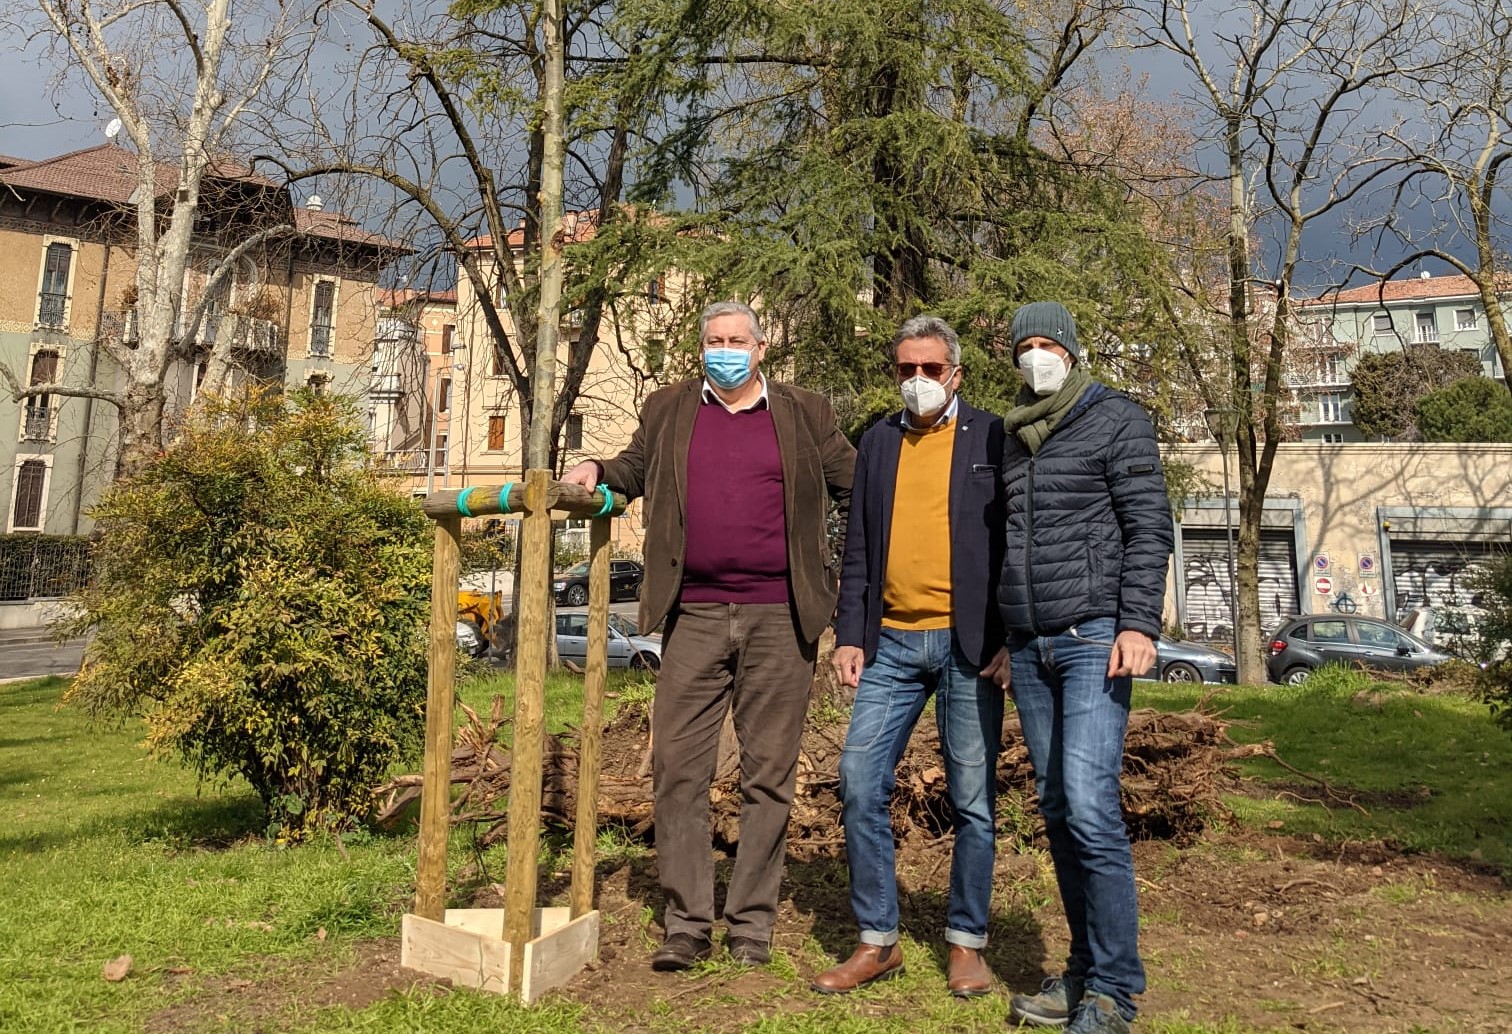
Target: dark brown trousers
[717,657]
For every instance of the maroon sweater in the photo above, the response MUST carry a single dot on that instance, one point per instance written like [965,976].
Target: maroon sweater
[737,525]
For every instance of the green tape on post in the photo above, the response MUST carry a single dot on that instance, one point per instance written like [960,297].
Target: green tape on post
[504,497]
[462,501]
[608,500]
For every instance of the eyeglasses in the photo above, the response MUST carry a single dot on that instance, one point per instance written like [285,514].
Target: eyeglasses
[934,371]
[743,344]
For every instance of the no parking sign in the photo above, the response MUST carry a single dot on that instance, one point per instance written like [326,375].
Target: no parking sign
[1368,565]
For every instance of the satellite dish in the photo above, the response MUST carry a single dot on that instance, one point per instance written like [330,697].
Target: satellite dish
[112,128]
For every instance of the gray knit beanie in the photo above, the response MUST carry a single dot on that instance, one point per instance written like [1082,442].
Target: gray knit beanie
[1046,319]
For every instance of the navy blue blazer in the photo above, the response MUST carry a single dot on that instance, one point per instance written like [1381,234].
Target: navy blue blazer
[977,524]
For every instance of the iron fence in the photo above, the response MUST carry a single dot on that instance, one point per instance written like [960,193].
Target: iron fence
[40,566]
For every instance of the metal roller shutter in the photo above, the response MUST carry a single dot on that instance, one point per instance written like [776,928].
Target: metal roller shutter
[1205,592]
[1437,575]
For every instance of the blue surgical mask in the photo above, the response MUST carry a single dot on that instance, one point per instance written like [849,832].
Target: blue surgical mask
[728,368]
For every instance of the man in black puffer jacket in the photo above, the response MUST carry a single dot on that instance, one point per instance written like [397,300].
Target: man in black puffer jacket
[1081,591]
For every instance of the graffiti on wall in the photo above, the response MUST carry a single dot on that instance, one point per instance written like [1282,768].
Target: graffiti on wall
[1206,585]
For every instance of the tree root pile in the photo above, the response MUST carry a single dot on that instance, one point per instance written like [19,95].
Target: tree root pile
[1175,768]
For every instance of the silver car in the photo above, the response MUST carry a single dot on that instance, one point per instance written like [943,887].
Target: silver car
[627,647]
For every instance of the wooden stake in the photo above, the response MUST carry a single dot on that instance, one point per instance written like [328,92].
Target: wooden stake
[435,799]
[585,832]
[529,722]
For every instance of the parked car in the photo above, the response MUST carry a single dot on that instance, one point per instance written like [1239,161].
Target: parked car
[1177,660]
[1304,644]
[627,647]
[571,587]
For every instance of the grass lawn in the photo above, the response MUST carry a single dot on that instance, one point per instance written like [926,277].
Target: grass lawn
[1431,772]
[106,852]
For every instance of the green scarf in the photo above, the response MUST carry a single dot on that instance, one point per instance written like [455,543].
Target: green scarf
[1035,416]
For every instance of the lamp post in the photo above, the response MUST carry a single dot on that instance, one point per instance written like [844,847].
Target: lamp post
[1222,422]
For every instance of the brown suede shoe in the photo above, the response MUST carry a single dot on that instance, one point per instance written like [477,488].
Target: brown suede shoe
[870,963]
[966,974]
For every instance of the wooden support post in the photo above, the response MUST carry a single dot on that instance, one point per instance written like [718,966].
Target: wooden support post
[529,722]
[585,832]
[435,798]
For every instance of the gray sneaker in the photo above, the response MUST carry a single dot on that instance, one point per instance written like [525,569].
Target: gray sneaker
[1098,1014]
[1052,1007]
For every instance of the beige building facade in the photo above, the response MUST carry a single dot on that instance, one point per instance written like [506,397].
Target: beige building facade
[300,310]
[1351,528]
[481,417]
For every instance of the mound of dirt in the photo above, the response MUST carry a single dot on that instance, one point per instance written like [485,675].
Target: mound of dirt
[1175,768]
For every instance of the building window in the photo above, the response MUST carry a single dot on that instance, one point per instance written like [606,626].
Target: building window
[656,289]
[574,432]
[317,382]
[31,491]
[322,318]
[37,424]
[1464,319]
[500,365]
[1427,329]
[1330,407]
[438,460]
[443,397]
[1381,324]
[1333,438]
[496,433]
[52,306]
[446,338]
[1333,368]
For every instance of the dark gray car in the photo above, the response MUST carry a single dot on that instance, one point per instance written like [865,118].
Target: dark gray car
[1302,645]
[1177,660]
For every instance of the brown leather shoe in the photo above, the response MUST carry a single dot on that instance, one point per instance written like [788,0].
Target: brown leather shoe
[967,974]
[869,964]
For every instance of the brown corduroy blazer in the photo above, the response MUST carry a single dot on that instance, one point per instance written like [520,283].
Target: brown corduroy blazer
[817,466]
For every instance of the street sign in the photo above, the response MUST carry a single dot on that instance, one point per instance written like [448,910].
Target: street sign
[1368,565]
[1369,588]
[1320,562]
[1322,585]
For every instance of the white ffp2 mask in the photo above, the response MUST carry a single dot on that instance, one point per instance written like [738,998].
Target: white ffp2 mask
[1043,371]
[922,395]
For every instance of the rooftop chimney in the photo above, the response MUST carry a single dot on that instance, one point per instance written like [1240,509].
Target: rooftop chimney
[1425,275]
[314,204]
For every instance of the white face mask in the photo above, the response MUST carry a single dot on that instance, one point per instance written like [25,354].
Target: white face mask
[923,396]
[1043,370]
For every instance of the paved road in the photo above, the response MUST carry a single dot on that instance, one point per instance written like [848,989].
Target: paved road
[25,657]
[30,655]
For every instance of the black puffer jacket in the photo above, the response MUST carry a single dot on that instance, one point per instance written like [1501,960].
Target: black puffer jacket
[1089,523]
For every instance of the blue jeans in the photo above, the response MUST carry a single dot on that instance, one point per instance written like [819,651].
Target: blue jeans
[908,667]
[1074,718]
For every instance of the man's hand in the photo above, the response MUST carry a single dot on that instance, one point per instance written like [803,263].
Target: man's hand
[999,670]
[848,662]
[585,474]
[1133,654]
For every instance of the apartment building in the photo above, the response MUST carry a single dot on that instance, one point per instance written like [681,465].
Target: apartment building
[479,437]
[300,310]
[412,361]
[1445,311]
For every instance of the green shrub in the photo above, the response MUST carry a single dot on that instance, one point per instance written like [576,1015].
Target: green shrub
[1493,587]
[1476,409]
[260,598]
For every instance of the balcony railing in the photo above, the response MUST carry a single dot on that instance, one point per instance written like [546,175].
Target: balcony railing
[51,309]
[404,461]
[37,424]
[250,335]
[320,340]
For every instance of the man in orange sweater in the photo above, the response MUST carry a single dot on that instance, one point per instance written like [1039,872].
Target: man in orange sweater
[917,617]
